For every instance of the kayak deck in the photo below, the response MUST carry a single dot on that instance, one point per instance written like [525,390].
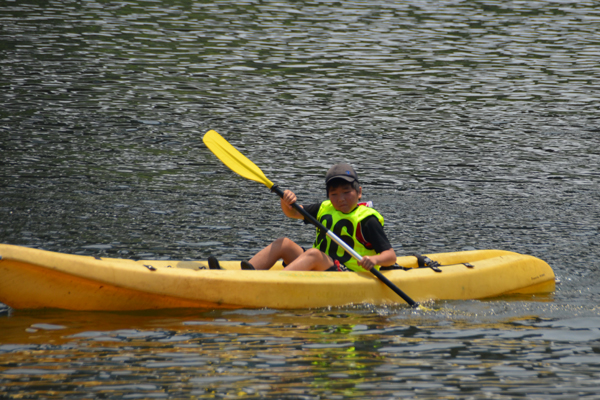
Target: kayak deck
[33,278]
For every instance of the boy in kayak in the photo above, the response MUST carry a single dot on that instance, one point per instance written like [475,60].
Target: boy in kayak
[356,223]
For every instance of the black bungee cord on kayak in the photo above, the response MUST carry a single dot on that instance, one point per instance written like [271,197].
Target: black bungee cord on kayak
[426,262]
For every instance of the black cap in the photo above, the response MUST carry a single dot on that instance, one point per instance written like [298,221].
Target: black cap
[343,171]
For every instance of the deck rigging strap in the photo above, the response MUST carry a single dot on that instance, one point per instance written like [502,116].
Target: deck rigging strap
[426,262]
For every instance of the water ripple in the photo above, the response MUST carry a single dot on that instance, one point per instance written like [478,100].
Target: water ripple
[472,124]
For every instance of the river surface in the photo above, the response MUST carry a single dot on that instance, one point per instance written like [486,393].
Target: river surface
[472,124]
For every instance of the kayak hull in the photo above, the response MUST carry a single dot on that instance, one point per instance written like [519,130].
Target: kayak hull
[33,278]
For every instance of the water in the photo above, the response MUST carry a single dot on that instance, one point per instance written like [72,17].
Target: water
[473,124]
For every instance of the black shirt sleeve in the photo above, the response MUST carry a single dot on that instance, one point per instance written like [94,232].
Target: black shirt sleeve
[373,233]
[312,209]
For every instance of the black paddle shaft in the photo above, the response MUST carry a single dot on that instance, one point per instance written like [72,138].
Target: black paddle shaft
[276,189]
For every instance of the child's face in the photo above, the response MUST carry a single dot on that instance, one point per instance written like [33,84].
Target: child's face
[344,198]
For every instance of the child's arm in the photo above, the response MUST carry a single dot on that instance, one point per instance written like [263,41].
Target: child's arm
[385,258]
[287,200]
[373,232]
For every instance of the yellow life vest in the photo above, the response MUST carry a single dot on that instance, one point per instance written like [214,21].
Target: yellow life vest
[347,228]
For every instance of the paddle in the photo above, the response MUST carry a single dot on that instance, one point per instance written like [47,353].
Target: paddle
[241,165]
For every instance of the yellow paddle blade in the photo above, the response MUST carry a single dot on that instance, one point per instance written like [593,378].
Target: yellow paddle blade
[232,158]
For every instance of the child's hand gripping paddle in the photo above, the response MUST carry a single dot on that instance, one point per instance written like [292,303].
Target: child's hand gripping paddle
[241,165]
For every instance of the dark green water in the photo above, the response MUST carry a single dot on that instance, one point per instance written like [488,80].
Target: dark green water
[473,125]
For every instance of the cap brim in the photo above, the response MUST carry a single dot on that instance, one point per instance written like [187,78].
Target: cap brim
[344,177]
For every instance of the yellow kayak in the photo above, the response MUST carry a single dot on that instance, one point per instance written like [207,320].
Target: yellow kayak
[32,278]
